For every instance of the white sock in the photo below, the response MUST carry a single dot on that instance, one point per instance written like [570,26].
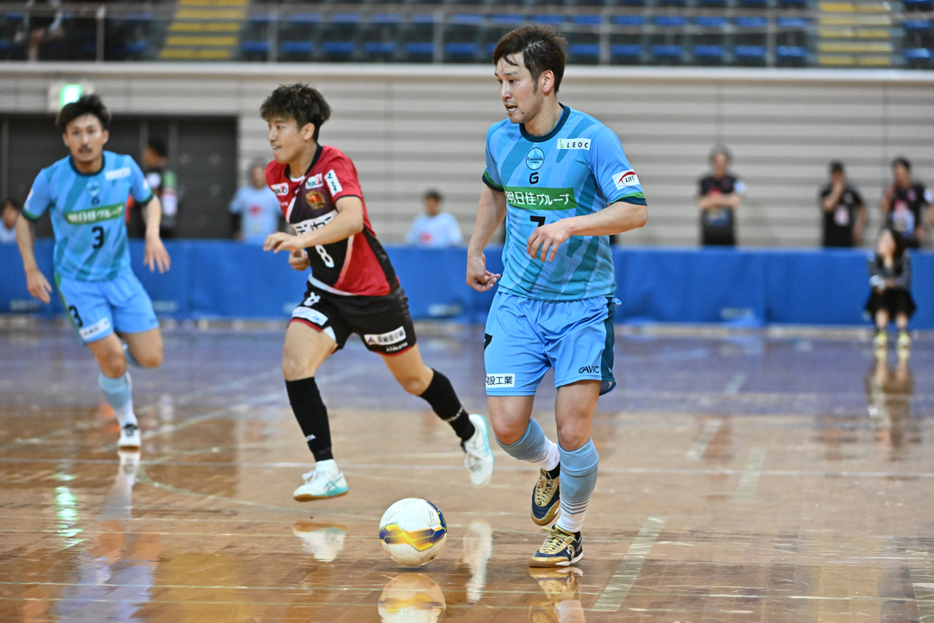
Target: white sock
[551,456]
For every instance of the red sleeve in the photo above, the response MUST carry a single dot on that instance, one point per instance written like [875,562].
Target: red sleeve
[340,176]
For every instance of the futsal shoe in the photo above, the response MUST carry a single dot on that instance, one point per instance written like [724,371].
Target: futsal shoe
[478,547]
[129,437]
[479,460]
[904,342]
[325,481]
[545,499]
[881,340]
[323,541]
[129,463]
[560,549]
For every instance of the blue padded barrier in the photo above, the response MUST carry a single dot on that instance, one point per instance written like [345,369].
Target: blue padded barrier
[223,279]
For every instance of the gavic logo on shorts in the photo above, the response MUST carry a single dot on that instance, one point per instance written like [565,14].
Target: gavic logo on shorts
[500,380]
[95,329]
[385,339]
[589,369]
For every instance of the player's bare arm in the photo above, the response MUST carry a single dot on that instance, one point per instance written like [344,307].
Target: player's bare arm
[833,198]
[614,219]
[347,223]
[155,254]
[490,213]
[36,282]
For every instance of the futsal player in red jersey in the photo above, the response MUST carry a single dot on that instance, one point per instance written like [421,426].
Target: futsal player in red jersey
[352,288]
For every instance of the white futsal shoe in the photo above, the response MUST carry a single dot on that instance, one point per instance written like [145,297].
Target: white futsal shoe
[479,460]
[129,437]
[325,481]
[323,541]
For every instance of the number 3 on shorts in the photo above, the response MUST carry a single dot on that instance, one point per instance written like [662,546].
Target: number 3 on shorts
[328,260]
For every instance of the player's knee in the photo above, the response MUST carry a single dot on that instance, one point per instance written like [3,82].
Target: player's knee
[295,367]
[413,384]
[112,363]
[508,432]
[572,435]
[149,359]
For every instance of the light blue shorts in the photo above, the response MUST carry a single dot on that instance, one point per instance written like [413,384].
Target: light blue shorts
[525,337]
[98,308]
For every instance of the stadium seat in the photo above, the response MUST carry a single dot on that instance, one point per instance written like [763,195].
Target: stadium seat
[254,50]
[670,21]
[628,20]
[918,5]
[463,37]
[706,54]
[919,58]
[667,52]
[338,35]
[380,36]
[750,54]
[750,42]
[584,44]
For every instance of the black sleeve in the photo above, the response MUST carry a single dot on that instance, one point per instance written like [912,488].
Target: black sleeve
[236,220]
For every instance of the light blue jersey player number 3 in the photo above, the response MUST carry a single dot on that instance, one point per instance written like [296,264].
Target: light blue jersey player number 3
[577,169]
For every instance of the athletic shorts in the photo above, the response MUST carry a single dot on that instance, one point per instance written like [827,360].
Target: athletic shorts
[98,308]
[525,337]
[383,322]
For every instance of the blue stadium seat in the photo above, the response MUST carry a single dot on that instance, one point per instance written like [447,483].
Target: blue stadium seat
[752,22]
[304,48]
[670,21]
[790,52]
[628,20]
[467,19]
[917,25]
[554,20]
[304,19]
[626,50]
[750,53]
[792,22]
[587,20]
[710,21]
[379,48]
[420,49]
[919,54]
[510,21]
[918,5]
[338,47]
[585,49]
[667,51]
[254,48]
[470,49]
[709,52]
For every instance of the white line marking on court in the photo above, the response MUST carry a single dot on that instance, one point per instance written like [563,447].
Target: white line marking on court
[922,580]
[746,491]
[699,447]
[631,566]
[735,384]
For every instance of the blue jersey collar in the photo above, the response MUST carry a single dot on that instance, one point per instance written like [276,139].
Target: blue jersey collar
[566,112]
[71,161]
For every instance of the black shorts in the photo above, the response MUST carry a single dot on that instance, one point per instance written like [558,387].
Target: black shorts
[383,322]
[893,300]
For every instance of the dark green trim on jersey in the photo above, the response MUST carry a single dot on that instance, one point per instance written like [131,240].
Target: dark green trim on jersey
[95,215]
[29,217]
[71,161]
[489,182]
[541,198]
[151,196]
[566,112]
[637,199]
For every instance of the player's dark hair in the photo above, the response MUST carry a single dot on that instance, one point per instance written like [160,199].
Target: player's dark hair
[899,239]
[720,149]
[297,101]
[542,49]
[836,167]
[433,194]
[87,105]
[902,161]
[158,146]
[10,201]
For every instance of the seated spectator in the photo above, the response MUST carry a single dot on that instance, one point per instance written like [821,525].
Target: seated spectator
[254,211]
[718,198]
[890,278]
[40,26]
[843,209]
[8,222]
[434,229]
[904,204]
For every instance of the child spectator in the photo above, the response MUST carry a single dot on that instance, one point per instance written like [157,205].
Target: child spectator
[890,278]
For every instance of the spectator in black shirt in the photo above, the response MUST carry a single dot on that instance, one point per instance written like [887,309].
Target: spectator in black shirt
[890,278]
[843,209]
[906,205]
[719,197]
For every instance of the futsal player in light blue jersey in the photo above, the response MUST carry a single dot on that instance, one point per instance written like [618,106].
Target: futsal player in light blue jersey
[560,179]
[85,195]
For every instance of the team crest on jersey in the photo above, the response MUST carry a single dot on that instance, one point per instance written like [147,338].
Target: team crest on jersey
[315,181]
[315,200]
[93,188]
[281,190]
[535,158]
[624,179]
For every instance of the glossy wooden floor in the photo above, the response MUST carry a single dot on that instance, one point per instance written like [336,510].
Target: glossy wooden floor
[743,477]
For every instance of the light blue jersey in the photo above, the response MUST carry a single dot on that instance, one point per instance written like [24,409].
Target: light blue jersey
[576,169]
[87,212]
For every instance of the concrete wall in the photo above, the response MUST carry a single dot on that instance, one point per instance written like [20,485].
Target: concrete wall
[409,128]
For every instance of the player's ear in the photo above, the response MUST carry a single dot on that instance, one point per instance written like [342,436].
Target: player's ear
[547,81]
[308,131]
[106,135]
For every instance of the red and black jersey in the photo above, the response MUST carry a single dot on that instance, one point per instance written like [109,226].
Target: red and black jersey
[355,266]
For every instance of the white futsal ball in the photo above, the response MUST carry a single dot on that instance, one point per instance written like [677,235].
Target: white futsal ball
[412,531]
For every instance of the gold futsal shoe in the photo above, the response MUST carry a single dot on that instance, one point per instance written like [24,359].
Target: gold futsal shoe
[560,549]
[545,499]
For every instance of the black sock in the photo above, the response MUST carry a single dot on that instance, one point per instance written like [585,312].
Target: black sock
[554,473]
[442,398]
[312,416]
